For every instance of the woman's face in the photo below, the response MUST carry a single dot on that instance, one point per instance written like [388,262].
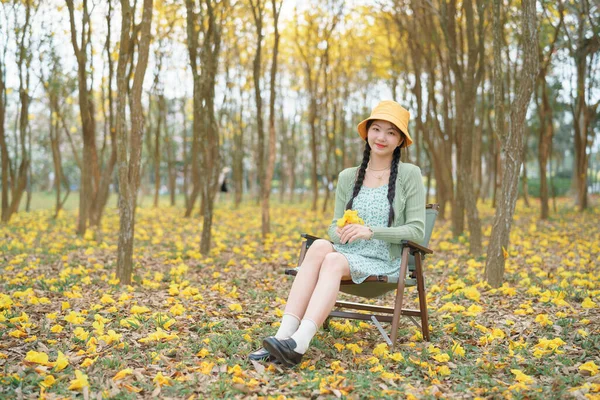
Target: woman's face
[384,137]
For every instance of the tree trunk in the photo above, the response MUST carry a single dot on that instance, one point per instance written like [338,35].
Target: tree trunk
[257,12]
[270,167]
[525,186]
[86,190]
[4,156]
[185,188]
[130,146]
[494,269]
[205,123]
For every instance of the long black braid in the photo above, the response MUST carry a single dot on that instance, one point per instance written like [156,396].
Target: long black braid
[392,184]
[360,177]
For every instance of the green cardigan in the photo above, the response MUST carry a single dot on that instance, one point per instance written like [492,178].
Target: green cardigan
[409,207]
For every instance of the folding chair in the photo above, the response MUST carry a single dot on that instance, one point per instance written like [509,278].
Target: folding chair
[377,285]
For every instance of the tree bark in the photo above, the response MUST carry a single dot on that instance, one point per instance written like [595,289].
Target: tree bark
[130,146]
[86,190]
[257,12]
[270,167]
[494,269]
[206,132]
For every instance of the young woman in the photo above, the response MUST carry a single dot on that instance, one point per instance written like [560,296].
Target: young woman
[389,196]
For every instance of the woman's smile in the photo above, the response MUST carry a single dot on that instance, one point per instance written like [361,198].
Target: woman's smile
[380,146]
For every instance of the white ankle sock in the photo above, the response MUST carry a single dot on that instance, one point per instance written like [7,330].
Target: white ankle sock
[304,334]
[289,325]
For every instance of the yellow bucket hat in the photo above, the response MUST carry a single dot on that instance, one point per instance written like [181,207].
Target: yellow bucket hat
[392,112]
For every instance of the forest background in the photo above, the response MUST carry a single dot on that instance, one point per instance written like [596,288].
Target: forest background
[110,109]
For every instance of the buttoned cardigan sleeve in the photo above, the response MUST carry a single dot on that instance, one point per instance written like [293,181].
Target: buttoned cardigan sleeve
[414,222]
[345,180]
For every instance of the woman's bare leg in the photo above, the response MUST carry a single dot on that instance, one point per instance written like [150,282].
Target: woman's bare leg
[306,280]
[334,269]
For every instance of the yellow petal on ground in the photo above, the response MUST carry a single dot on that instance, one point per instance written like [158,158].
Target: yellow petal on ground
[396,357]
[139,309]
[203,353]
[80,381]
[161,380]
[441,357]
[543,320]
[61,362]
[106,299]
[37,357]
[443,370]
[588,303]
[521,377]
[17,334]
[236,307]
[48,381]
[381,350]
[88,362]
[457,349]
[590,367]
[51,316]
[122,374]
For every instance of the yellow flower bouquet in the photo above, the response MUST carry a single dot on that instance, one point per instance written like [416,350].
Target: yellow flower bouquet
[350,217]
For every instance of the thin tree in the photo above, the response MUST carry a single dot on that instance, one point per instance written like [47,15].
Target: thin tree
[4,155]
[468,75]
[129,147]
[582,45]
[266,193]
[86,109]
[513,140]
[545,112]
[204,62]
[258,14]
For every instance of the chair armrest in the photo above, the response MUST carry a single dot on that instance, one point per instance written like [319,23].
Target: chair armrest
[416,247]
[310,237]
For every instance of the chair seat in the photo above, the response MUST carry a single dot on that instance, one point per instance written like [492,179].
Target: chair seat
[373,286]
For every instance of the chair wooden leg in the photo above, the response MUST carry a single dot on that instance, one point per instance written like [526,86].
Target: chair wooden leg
[399,295]
[422,297]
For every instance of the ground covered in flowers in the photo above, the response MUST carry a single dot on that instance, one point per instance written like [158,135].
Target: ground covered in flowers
[184,328]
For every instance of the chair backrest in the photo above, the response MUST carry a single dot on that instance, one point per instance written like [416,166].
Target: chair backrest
[431,213]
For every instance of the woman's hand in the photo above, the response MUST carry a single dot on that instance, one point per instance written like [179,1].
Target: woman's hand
[352,232]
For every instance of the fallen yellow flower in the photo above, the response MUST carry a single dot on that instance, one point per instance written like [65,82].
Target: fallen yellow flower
[354,348]
[122,374]
[48,381]
[588,303]
[158,336]
[441,357]
[80,381]
[61,362]
[589,366]
[37,358]
[521,377]
[139,309]
[543,320]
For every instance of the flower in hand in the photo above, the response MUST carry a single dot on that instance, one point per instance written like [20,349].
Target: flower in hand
[351,227]
[350,217]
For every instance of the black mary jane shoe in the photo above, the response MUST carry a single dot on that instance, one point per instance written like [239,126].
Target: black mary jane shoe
[261,355]
[283,350]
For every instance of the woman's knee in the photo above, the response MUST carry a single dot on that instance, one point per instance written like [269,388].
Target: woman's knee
[335,264]
[319,247]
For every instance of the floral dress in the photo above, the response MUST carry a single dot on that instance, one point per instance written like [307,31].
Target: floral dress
[370,257]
